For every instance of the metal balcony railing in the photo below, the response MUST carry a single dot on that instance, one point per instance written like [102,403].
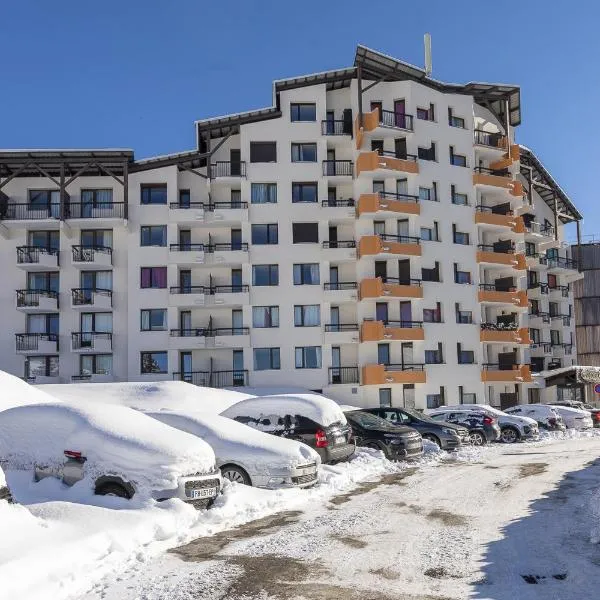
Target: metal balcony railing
[485,138]
[85,296]
[339,244]
[389,118]
[402,280]
[498,326]
[398,155]
[217,379]
[208,332]
[210,206]
[338,203]
[492,287]
[338,167]
[225,168]
[340,327]
[336,127]
[88,253]
[341,375]
[340,285]
[404,366]
[86,339]
[203,289]
[29,212]
[495,210]
[404,324]
[402,239]
[29,342]
[496,248]
[96,210]
[31,254]
[496,172]
[32,297]
[561,262]
[396,196]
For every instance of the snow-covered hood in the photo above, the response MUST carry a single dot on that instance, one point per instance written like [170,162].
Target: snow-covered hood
[507,419]
[233,441]
[114,439]
[569,413]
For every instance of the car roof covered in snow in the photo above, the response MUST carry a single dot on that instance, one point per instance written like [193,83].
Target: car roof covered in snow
[319,409]
[233,441]
[114,439]
[16,392]
[569,409]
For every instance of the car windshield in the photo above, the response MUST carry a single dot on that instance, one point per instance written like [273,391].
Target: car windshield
[367,420]
[419,416]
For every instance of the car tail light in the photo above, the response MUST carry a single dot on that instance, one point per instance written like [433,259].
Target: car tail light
[488,421]
[72,454]
[596,416]
[321,439]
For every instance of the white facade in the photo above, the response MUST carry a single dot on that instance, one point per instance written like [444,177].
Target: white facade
[374,339]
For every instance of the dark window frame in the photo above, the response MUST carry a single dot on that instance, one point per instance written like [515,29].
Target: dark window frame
[146,193]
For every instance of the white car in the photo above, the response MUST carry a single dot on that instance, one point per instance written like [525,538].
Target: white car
[114,450]
[246,455]
[574,418]
[545,415]
[512,427]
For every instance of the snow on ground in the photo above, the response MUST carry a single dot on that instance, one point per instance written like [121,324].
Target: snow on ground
[16,392]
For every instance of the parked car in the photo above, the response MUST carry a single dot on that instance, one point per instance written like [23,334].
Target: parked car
[574,418]
[246,455]
[483,428]
[397,442]
[446,435]
[513,428]
[4,491]
[595,412]
[118,451]
[546,417]
[314,420]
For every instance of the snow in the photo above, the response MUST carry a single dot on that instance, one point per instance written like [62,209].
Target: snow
[349,407]
[2,479]
[114,439]
[16,392]
[318,408]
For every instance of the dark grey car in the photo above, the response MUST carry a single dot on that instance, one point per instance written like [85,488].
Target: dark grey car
[447,436]
[483,428]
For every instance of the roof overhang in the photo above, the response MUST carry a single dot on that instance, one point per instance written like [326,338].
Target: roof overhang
[230,124]
[191,159]
[574,375]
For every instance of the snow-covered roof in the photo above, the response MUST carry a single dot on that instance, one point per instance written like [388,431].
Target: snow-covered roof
[16,392]
[584,374]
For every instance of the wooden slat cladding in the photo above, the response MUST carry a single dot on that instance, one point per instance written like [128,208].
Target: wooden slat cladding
[590,256]
[588,341]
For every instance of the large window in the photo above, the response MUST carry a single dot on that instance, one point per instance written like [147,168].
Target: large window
[308,357]
[265,274]
[153,319]
[266,359]
[307,315]
[306,274]
[96,364]
[458,198]
[44,198]
[305,233]
[385,397]
[99,198]
[43,280]
[304,192]
[265,234]
[153,277]
[45,239]
[42,323]
[304,152]
[154,362]
[265,316]
[460,237]
[263,193]
[155,193]
[303,112]
[465,357]
[426,153]
[94,238]
[263,152]
[153,235]
[41,366]
[458,160]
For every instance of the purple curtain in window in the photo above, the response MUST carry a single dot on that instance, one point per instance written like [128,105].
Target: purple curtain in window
[159,277]
[146,277]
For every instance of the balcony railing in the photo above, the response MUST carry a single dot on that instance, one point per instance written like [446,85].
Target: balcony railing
[535,227]
[210,248]
[543,287]
[563,289]
[223,168]
[492,287]
[338,203]
[389,118]
[340,327]
[338,167]
[340,285]
[336,127]
[540,314]
[204,289]
[566,319]
[402,280]
[207,332]
[498,326]
[404,366]
[96,210]
[29,342]
[187,248]
[209,207]
[31,254]
[399,197]
[496,172]
[496,210]
[496,248]
[499,366]
[402,239]
[485,138]
[339,244]
[217,379]
[88,253]
[32,297]
[86,339]
[544,346]
[398,155]
[85,296]
[561,262]
[404,324]
[340,375]
[29,212]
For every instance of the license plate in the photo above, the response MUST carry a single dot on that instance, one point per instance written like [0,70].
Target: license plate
[339,439]
[204,493]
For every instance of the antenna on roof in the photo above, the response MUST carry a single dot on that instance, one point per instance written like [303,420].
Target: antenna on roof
[427,42]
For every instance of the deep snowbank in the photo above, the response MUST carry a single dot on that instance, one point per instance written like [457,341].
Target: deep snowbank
[16,392]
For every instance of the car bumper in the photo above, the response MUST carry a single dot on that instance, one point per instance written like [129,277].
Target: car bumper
[198,490]
[453,443]
[493,433]
[336,453]
[405,452]
[532,434]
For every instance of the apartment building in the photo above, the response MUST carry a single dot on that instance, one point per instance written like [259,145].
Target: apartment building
[375,234]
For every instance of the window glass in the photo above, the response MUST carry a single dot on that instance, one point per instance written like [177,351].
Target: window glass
[153,277]
[266,359]
[303,112]
[263,193]
[432,357]
[41,366]
[424,193]
[461,238]
[466,357]
[304,153]
[426,233]
[153,319]
[265,274]
[434,401]
[306,274]
[265,234]
[308,357]
[154,194]
[463,277]
[308,315]
[461,199]
[303,233]
[263,152]
[304,192]
[185,199]
[265,316]
[153,235]
[154,362]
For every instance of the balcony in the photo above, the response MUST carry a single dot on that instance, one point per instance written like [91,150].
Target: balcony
[496,141]
[343,375]
[536,289]
[91,298]
[495,333]
[36,343]
[340,333]
[388,202]
[544,316]
[490,293]
[227,169]
[535,260]
[332,127]
[91,341]
[375,331]
[563,290]
[393,373]
[95,211]
[566,319]
[215,379]
[339,209]
[401,245]
[209,254]
[339,250]
[37,300]
[203,337]
[499,254]
[379,287]
[190,213]
[338,168]
[540,347]
[92,256]
[561,263]
[386,119]
[537,230]
[50,213]
[497,179]
[188,296]
[33,258]
[340,291]
[498,218]
[493,372]
[381,163]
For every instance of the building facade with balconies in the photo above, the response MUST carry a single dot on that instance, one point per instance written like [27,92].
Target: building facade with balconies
[375,234]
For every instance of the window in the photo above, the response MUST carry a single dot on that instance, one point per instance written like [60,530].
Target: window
[303,112]
[552,281]
[45,199]
[461,276]
[153,319]
[459,237]
[304,153]
[458,160]
[426,114]
[41,366]
[96,364]
[305,233]
[185,199]
[427,153]
[96,238]
[153,277]
[263,193]
[429,234]
[385,397]
[42,323]
[263,152]
[427,193]
[306,274]
[265,234]
[461,199]
[534,307]
[554,337]
[43,280]
[433,315]
[304,192]
[154,362]
[434,401]
[431,274]
[265,316]
[464,317]
[153,235]
[155,193]
[308,357]
[45,239]
[308,315]
[266,359]
[553,309]
[467,397]
[465,357]
[434,357]
[455,121]
[530,249]
[534,334]
[265,274]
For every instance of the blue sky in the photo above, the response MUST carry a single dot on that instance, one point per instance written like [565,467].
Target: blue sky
[136,74]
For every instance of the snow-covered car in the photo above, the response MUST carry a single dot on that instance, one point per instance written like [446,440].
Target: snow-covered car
[115,450]
[546,417]
[594,412]
[4,491]
[16,392]
[512,427]
[483,427]
[315,420]
[574,418]
[246,455]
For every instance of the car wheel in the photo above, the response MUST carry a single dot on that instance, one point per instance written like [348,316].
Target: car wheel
[376,446]
[432,438]
[509,435]
[477,438]
[235,474]
[113,489]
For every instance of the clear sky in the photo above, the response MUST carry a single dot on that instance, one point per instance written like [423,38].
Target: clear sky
[137,73]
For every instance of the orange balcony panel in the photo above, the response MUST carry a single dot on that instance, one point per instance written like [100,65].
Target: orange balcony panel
[513,155]
[371,288]
[521,264]
[495,219]
[399,164]
[375,288]
[367,161]
[373,331]
[518,298]
[520,336]
[519,226]
[517,189]
[371,161]
[519,374]
[372,203]
[494,180]
[370,245]
[377,375]
[497,258]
